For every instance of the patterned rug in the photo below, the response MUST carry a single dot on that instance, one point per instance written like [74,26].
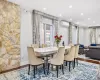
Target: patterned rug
[84,71]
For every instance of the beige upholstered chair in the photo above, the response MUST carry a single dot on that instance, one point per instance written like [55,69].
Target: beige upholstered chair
[76,54]
[67,50]
[44,45]
[33,60]
[70,56]
[58,59]
[35,45]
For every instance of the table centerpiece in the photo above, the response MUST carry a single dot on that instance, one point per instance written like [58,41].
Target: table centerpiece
[58,39]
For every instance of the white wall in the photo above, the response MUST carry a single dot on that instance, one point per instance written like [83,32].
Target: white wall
[26,35]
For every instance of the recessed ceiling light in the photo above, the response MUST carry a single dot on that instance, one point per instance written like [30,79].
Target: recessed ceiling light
[44,9]
[60,15]
[81,14]
[88,18]
[93,21]
[70,19]
[70,6]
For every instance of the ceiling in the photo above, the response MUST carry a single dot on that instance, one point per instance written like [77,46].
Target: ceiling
[82,12]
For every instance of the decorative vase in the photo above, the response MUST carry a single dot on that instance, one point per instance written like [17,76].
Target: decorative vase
[57,44]
[57,39]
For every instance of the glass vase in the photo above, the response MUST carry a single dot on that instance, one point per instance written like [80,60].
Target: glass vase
[57,44]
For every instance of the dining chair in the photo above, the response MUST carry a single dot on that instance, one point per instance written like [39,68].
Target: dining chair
[76,54]
[67,50]
[34,61]
[35,45]
[58,60]
[70,56]
[44,45]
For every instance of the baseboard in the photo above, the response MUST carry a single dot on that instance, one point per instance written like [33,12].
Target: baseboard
[14,69]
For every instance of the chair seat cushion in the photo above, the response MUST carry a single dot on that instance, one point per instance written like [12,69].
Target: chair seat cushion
[54,62]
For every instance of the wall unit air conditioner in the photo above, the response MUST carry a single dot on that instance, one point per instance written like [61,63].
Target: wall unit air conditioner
[64,23]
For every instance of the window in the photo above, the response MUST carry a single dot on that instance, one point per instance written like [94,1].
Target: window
[47,34]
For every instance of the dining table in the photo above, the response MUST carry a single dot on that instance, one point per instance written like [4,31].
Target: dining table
[47,51]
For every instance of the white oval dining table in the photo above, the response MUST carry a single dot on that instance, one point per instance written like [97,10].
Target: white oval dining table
[48,50]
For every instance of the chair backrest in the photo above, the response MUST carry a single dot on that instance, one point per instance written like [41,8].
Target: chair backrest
[71,54]
[60,55]
[44,45]
[35,45]
[31,56]
[76,51]
[71,44]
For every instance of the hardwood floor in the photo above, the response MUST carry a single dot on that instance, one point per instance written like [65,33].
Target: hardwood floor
[89,60]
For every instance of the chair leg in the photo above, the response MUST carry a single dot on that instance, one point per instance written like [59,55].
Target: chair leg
[48,67]
[34,71]
[44,67]
[62,69]
[66,63]
[69,65]
[77,61]
[51,67]
[29,70]
[73,64]
[57,70]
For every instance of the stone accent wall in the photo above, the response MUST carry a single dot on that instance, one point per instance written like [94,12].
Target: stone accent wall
[9,35]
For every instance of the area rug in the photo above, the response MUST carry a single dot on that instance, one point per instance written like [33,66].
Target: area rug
[84,71]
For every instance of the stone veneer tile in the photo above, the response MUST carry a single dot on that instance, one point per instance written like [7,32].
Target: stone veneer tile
[9,35]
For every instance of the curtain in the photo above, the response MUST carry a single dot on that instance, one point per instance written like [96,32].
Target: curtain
[77,35]
[37,21]
[55,29]
[70,33]
[55,24]
[93,35]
